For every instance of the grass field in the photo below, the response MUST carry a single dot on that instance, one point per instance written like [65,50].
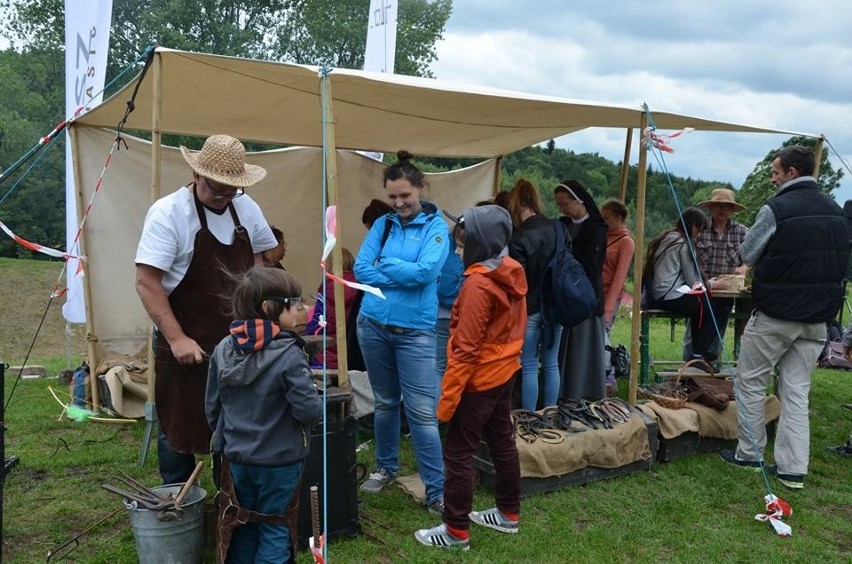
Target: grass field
[691,510]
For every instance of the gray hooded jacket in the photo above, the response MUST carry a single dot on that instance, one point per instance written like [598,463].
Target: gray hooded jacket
[261,405]
[488,231]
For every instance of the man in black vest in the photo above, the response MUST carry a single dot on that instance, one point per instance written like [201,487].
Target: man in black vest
[799,249]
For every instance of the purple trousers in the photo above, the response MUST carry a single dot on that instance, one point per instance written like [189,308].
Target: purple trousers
[481,416]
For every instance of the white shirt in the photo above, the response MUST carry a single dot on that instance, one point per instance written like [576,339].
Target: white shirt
[171,224]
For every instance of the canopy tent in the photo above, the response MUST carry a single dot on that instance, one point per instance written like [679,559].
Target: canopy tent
[282,103]
[200,94]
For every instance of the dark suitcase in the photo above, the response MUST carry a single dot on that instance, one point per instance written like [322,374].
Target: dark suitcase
[341,482]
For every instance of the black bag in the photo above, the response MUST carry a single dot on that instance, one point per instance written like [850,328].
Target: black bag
[568,297]
[619,359]
[354,355]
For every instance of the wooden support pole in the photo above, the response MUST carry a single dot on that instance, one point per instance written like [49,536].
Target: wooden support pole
[156,146]
[638,260]
[336,253]
[625,166]
[91,344]
[818,156]
[498,171]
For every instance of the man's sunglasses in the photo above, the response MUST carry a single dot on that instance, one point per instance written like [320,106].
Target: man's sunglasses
[222,191]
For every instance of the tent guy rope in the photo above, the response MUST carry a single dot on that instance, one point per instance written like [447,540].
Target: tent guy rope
[776,508]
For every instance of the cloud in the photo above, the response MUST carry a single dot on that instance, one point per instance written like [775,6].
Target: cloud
[782,65]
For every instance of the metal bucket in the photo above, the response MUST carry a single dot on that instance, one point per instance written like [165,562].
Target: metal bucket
[180,541]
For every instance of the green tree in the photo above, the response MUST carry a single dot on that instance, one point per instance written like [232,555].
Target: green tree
[302,31]
[330,32]
[30,107]
[758,188]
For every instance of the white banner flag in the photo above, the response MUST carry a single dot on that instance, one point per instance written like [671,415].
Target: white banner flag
[86,46]
[380,53]
[381,36]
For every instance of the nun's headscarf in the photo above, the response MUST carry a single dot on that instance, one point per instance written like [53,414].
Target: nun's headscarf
[576,191]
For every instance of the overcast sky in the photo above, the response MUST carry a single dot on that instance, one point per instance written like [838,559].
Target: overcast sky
[779,64]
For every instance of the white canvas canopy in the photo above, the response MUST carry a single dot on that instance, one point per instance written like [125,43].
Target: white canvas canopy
[282,103]
[198,94]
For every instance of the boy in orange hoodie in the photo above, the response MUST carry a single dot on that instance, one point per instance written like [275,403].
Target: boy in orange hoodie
[483,355]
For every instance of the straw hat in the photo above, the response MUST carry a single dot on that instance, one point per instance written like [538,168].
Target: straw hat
[223,159]
[722,196]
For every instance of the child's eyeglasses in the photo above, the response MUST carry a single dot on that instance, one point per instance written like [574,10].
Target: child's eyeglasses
[285,301]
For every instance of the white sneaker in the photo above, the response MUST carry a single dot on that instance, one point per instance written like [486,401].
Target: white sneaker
[494,519]
[439,536]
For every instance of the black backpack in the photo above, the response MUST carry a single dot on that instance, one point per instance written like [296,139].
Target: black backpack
[568,297]
[354,355]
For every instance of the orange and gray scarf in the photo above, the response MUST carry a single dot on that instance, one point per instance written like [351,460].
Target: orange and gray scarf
[249,335]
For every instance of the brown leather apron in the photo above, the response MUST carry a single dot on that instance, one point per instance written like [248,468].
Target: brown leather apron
[231,515]
[200,305]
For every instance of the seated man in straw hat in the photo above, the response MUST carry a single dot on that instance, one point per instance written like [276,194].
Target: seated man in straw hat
[721,240]
[719,247]
[191,241]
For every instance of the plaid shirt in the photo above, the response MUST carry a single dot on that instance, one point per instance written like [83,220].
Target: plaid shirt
[721,254]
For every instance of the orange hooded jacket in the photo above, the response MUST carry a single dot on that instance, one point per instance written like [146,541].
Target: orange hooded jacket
[486,332]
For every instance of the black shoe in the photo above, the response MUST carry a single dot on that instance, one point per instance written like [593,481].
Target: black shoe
[841,450]
[789,481]
[730,457]
[847,406]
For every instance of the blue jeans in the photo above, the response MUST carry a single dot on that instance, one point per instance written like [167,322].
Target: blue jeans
[530,360]
[404,364]
[266,489]
[175,467]
[442,335]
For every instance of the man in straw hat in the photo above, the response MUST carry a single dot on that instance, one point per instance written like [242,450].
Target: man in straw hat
[799,248]
[719,245]
[721,240]
[191,240]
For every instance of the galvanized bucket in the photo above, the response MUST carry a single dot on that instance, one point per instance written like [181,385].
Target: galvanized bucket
[178,541]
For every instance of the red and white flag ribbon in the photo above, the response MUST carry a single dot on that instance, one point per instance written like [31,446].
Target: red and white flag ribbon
[358,286]
[330,232]
[661,140]
[776,509]
[35,247]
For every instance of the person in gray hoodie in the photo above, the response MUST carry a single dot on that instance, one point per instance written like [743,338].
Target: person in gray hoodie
[261,404]
[486,336]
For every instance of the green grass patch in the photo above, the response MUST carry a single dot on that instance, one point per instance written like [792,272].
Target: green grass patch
[691,510]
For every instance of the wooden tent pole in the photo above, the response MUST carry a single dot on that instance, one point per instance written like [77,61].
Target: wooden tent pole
[818,155]
[156,146]
[498,171]
[638,259]
[156,140]
[336,253]
[91,344]
[625,166]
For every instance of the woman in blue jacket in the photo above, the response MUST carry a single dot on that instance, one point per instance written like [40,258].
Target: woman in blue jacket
[402,255]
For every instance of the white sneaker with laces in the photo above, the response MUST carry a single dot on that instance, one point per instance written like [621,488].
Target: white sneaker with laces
[439,536]
[494,519]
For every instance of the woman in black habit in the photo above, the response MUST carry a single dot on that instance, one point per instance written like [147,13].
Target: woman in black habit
[581,355]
